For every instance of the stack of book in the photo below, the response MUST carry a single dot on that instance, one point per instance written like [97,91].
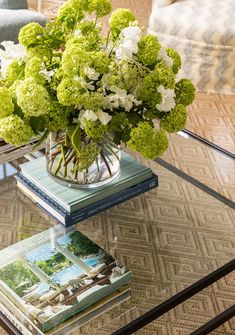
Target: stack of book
[58,280]
[69,206]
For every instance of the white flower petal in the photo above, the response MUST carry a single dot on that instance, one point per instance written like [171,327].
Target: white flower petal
[104,117]
[168,101]
[162,54]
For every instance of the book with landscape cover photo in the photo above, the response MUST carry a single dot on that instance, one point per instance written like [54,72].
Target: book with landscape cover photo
[53,275]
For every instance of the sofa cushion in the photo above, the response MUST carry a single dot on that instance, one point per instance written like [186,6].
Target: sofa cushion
[12,20]
[210,21]
[14,4]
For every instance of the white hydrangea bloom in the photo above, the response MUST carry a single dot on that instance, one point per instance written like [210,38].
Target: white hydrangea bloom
[13,52]
[132,33]
[87,86]
[47,74]
[104,117]
[121,98]
[129,43]
[88,115]
[162,55]
[168,101]
[91,73]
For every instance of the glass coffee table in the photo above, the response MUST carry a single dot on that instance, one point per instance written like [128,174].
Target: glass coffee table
[177,240]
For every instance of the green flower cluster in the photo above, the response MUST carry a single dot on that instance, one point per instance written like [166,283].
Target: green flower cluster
[148,50]
[57,117]
[33,68]
[175,120]
[30,34]
[185,92]
[14,72]
[32,97]
[69,91]
[6,104]
[126,75]
[176,59]
[86,156]
[70,77]
[15,131]
[95,130]
[148,141]
[120,19]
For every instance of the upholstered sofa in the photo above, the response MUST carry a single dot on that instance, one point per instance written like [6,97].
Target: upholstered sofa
[204,34]
[14,14]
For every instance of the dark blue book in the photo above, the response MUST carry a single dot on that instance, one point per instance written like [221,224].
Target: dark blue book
[68,219]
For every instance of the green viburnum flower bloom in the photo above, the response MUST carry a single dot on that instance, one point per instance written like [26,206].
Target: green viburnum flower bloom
[57,118]
[70,13]
[148,50]
[185,92]
[175,120]
[120,18]
[91,42]
[126,76]
[33,98]
[40,52]
[33,68]
[86,156]
[165,75]
[93,101]
[70,92]
[6,104]
[176,59]
[95,130]
[150,142]
[15,131]
[13,72]
[73,59]
[101,7]
[30,33]
[100,61]
[161,75]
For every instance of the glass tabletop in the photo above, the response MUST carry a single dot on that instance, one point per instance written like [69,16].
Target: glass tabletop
[169,238]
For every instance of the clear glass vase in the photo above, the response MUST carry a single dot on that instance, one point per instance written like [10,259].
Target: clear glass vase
[62,163]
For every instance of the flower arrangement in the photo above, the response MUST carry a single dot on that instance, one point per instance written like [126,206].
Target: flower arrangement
[68,77]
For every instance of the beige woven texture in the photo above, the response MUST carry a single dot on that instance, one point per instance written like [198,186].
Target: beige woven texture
[182,232]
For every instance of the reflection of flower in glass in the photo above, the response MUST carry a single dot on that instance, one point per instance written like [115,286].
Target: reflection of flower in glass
[168,101]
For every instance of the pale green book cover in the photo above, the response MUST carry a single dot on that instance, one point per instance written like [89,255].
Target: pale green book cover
[132,172]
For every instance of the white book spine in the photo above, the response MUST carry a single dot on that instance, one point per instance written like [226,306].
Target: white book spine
[15,316]
[16,323]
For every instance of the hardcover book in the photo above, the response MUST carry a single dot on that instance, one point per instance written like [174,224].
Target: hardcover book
[131,173]
[26,327]
[56,274]
[68,219]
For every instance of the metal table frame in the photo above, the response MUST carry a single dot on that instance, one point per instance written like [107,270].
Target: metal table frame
[190,291]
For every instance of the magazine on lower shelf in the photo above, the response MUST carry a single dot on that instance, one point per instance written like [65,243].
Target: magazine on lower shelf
[56,274]
[26,327]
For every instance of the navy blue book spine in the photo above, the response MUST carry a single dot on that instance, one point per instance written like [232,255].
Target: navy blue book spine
[93,209]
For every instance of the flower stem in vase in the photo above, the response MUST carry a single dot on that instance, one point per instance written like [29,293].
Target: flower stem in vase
[106,163]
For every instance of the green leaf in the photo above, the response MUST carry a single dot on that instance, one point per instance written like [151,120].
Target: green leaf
[76,138]
[42,138]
